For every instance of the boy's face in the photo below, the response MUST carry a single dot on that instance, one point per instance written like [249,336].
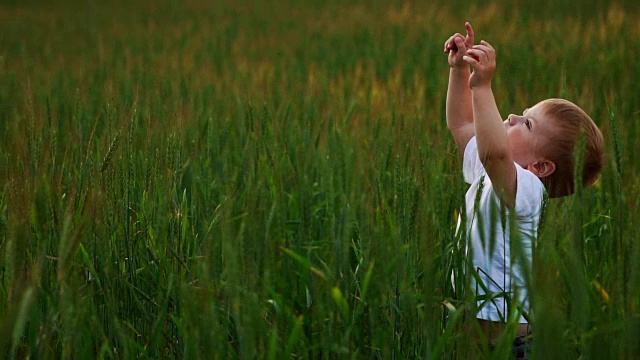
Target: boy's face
[527,135]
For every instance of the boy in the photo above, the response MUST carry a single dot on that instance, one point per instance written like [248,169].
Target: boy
[511,166]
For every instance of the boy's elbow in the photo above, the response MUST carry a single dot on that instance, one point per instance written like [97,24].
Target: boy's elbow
[462,134]
[452,124]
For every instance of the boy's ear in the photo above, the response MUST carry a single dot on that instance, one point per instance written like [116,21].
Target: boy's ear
[542,168]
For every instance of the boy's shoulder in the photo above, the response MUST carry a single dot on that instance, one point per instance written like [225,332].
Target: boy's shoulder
[530,190]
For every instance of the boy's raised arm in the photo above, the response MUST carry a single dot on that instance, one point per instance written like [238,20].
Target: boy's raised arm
[459,112]
[491,135]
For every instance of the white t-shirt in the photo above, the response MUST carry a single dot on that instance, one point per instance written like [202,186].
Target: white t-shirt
[493,259]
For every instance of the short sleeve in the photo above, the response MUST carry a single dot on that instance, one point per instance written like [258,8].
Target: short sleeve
[471,166]
[529,193]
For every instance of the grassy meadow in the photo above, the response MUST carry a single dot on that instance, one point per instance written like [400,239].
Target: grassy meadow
[244,179]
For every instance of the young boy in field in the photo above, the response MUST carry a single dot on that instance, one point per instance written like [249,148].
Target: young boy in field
[511,165]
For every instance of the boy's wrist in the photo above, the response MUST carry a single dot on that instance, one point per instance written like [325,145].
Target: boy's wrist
[483,86]
[460,67]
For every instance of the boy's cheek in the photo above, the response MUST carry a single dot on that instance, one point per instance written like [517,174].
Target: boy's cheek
[513,135]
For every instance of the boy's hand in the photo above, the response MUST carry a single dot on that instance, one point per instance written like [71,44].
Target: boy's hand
[457,46]
[483,60]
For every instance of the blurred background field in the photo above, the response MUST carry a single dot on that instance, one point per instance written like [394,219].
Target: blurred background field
[244,179]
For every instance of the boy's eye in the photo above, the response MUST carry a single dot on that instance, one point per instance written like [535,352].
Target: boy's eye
[528,123]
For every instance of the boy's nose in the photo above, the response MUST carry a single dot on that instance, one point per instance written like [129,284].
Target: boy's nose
[515,119]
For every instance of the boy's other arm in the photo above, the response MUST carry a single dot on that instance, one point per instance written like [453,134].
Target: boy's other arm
[491,134]
[459,111]
[458,107]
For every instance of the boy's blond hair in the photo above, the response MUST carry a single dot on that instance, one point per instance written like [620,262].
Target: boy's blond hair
[569,122]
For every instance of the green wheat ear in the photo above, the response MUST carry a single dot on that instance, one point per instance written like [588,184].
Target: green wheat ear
[616,142]
[113,146]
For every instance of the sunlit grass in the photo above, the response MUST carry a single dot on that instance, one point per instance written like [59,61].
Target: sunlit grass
[243,180]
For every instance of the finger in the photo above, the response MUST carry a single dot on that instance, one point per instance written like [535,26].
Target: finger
[477,54]
[482,42]
[484,46]
[450,44]
[491,53]
[470,34]
[447,44]
[487,50]
[460,44]
[470,60]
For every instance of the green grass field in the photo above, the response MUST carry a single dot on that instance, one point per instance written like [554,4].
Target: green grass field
[237,179]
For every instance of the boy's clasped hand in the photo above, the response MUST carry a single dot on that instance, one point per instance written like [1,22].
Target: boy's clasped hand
[481,57]
[457,46]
